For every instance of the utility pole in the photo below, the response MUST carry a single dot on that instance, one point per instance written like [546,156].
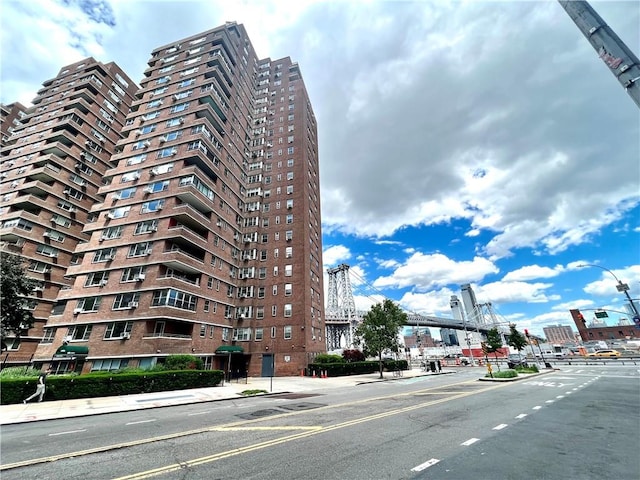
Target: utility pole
[620,60]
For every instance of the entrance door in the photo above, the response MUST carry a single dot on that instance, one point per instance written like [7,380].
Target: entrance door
[268,366]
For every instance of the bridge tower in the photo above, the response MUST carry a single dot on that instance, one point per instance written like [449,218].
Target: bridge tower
[340,315]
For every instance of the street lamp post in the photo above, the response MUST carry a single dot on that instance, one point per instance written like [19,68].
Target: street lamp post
[621,286]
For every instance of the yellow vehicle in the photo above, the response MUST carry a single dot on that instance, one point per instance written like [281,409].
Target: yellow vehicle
[604,353]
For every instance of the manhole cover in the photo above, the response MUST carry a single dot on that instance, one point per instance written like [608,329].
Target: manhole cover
[302,406]
[259,414]
[294,396]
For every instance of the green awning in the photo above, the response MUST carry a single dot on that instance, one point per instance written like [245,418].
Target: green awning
[229,349]
[72,351]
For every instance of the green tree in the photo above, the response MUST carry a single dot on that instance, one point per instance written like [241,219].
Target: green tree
[493,343]
[15,287]
[379,329]
[516,339]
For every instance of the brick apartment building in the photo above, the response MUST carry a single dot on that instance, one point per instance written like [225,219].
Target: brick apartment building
[54,158]
[559,334]
[204,234]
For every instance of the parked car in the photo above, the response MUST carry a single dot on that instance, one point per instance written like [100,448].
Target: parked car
[605,353]
[516,359]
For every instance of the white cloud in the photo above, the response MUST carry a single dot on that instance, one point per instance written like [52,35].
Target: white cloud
[531,272]
[424,272]
[334,255]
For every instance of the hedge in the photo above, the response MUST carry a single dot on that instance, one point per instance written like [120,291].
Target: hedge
[354,368]
[14,390]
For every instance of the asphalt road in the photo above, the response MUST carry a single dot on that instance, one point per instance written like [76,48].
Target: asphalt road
[578,423]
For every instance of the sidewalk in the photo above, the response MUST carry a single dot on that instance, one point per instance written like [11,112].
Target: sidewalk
[48,410]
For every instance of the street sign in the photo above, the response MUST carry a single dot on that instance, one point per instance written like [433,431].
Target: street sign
[602,314]
[622,287]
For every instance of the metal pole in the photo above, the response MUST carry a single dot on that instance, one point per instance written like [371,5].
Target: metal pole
[621,286]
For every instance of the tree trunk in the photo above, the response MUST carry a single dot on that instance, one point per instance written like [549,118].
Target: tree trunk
[380,363]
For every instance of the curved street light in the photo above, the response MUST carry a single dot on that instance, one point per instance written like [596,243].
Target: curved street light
[621,286]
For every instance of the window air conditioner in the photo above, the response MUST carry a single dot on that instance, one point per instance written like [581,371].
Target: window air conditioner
[76,311]
[125,335]
[68,338]
[148,189]
[67,192]
[133,305]
[102,238]
[111,216]
[103,283]
[109,257]
[46,234]
[138,133]
[140,277]
[163,139]
[153,229]
[154,171]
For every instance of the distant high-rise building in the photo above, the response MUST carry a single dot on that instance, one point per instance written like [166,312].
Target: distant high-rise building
[559,334]
[54,158]
[449,336]
[470,303]
[205,234]
[468,337]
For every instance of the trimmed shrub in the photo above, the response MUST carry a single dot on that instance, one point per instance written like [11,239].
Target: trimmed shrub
[106,384]
[353,356]
[503,374]
[183,362]
[329,358]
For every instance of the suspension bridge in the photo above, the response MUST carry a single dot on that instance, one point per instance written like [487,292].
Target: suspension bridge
[342,317]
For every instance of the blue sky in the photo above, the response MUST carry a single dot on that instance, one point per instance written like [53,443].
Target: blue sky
[460,142]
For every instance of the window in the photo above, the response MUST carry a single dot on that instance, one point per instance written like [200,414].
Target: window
[133,274]
[47,251]
[179,108]
[89,304]
[174,298]
[49,335]
[140,249]
[109,365]
[104,255]
[79,332]
[130,176]
[287,310]
[117,330]
[287,332]
[96,279]
[203,331]
[152,206]
[288,289]
[259,335]
[124,194]
[288,270]
[225,334]
[126,301]
[242,334]
[146,227]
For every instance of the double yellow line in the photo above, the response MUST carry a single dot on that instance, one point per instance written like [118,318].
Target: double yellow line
[309,431]
[245,425]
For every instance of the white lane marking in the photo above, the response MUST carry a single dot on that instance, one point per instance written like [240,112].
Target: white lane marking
[424,465]
[67,433]
[522,415]
[559,396]
[471,441]
[537,407]
[141,421]
[198,413]
[549,401]
[500,427]
[568,393]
